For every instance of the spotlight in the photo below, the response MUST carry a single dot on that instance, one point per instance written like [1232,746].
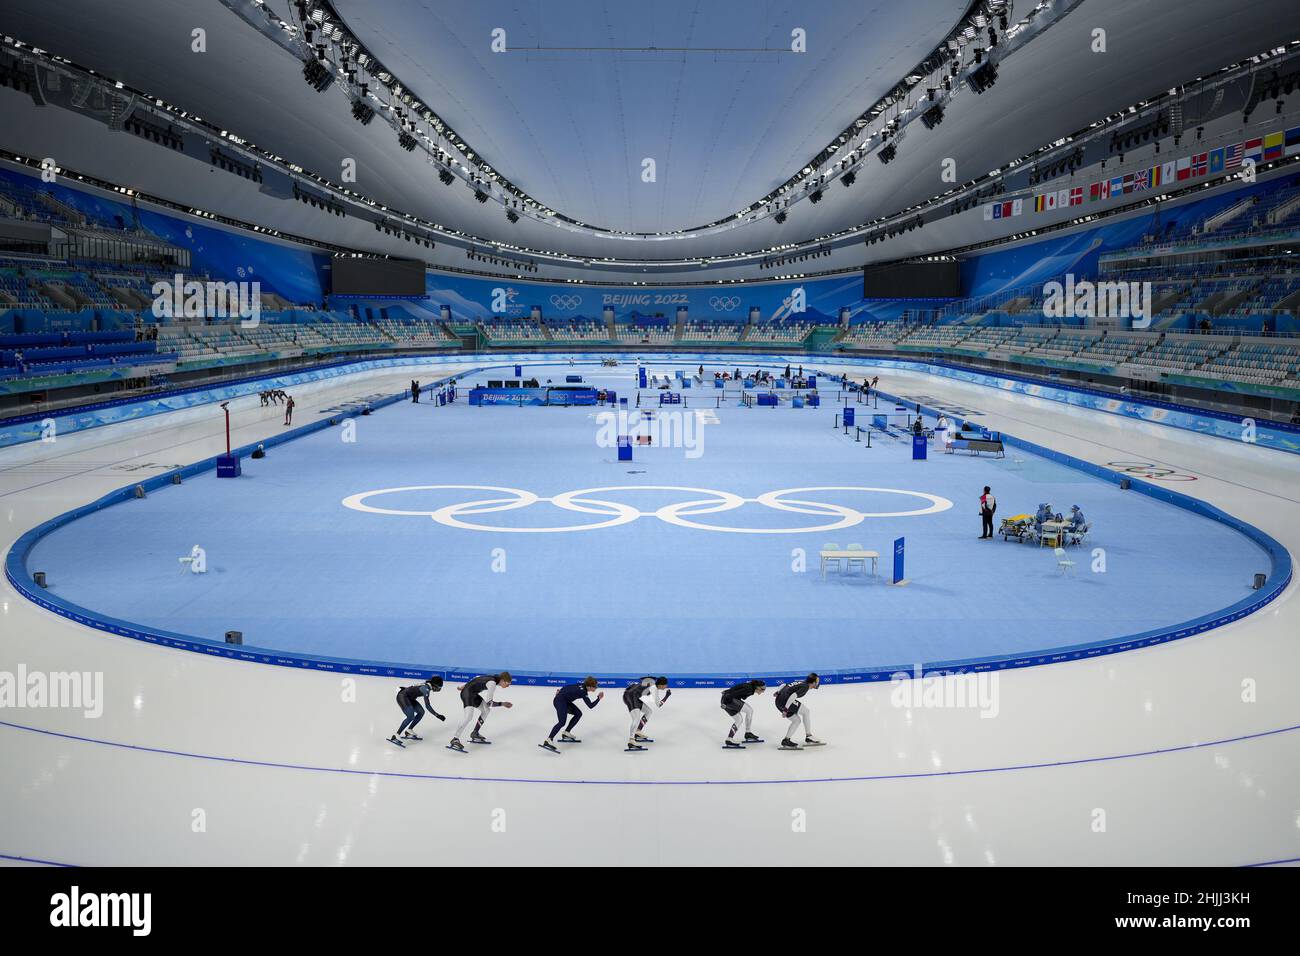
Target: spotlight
[933,116]
[446,177]
[480,195]
[317,75]
[982,77]
[888,153]
[362,113]
[815,196]
[779,217]
[849,178]
[512,216]
[406,141]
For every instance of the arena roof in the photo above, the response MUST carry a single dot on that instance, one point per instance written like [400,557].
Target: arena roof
[587,90]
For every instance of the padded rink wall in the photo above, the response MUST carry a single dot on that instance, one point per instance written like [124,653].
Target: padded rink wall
[1277,436]
[20,576]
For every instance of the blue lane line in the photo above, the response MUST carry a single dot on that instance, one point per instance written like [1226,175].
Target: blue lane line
[1074,762]
[29,859]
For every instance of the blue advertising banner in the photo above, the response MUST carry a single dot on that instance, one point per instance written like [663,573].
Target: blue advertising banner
[898,560]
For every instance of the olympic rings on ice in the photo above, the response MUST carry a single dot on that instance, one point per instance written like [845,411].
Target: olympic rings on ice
[617,513]
[1146,469]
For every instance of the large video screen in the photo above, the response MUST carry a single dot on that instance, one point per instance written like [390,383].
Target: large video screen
[354,276]
[912,280]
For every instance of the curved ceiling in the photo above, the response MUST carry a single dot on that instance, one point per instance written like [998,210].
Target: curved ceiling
[584,133]
[709,90]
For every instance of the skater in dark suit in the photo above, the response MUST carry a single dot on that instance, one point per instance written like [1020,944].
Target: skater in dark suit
[639,699]
[734,706]
[789,701]
[477,697]
[409,699]
[566,708]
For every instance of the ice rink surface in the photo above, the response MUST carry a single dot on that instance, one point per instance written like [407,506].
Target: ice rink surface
[1186,753]
[700,556]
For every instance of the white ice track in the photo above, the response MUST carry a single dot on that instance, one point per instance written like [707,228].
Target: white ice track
[1159,740]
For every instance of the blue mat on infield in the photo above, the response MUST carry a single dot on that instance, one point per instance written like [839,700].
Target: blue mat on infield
[295,569]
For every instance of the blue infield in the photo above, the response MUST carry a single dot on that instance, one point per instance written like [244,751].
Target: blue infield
[687,560]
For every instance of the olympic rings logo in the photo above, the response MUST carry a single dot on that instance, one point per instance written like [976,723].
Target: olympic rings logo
[615,513]
[724,303]
[566,302]
[1145,469]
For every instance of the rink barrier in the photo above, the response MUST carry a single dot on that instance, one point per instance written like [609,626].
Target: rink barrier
[1271,434]
[18,575]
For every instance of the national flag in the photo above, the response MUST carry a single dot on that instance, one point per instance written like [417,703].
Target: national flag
[1168,173]
[1128,183]
[1216,160]
[1117,186]
[1273,146]
[1200,164]
[1006,209]
[1040,203]
[1253,149]
[1141,179]
[1184,168]
[1076,196]
[1062,198]
[1094,192]
[1293,141]
[1017,207]
[994,211]
[1105,188]
[1232,156]
[1051,201]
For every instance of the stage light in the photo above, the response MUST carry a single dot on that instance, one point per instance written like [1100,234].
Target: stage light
[512,216]
[317,75]
[887,154]
[362,112]
[982,77]
[815,196]
[480,195]
[406,141]
[780,218]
